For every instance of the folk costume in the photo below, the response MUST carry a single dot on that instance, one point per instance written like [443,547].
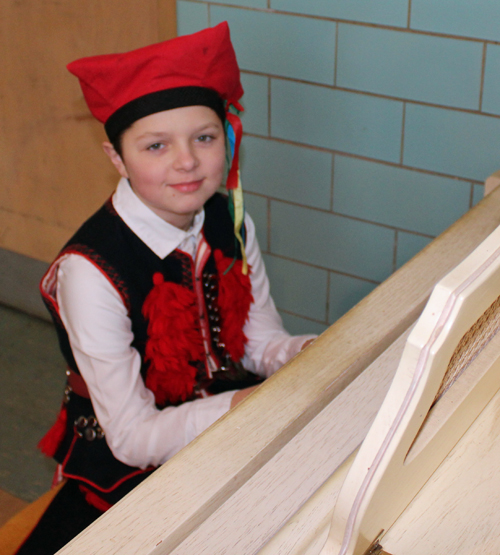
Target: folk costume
[159,326]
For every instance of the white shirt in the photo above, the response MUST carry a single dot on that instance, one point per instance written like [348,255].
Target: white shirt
[100,336]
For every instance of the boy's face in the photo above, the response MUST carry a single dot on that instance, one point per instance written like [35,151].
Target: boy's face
[174,160]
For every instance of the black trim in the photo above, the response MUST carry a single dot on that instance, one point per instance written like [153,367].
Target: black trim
[160,101]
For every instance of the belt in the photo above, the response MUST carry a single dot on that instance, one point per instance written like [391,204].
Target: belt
[77,384]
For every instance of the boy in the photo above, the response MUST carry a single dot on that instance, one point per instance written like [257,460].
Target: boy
[161,300]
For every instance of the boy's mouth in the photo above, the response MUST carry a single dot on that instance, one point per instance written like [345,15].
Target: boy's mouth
[188,187]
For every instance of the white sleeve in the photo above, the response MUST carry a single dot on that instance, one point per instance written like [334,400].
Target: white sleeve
[100,335]
[269,344]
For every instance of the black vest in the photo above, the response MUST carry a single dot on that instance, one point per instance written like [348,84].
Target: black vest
[130,265]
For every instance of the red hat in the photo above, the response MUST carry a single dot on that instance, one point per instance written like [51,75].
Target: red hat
[122,88]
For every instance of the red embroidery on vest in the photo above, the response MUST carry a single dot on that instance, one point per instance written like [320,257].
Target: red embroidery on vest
[174,341]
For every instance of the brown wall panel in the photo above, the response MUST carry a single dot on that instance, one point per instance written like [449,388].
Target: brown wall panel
[53,173]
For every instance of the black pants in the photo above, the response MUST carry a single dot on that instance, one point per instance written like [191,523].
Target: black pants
[66,516]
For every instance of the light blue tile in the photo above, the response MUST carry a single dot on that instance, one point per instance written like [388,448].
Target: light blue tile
[284,45]
[407,65]
[457,17]
[408,246]
[255,118]
[397,197]
[451,142]
[297,288]
[345,292]
[245,3]
[287,172]
[339,120]
[191,17]
[301,326]
[491,90]
[257,208]
[477,193]
[385,12]
[331,241]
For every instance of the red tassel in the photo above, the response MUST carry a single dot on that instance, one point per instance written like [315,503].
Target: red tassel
[234,300]
[50,442]
[174,340]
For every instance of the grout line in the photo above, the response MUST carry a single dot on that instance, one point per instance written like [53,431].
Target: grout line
[332,183]
[289,312]
[352,22]
[346,216]
[366,158]
[408,25]
[327,304]
[333,271]
[209,14]
[483,69]
[269,107]
[336,54]
[471,197]
[268,225]
[395,253]
[376,95]
[403,128]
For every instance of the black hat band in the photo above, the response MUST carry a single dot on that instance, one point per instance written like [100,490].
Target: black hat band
[160,101]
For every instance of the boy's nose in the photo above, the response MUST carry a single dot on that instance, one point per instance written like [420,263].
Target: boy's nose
[185,158]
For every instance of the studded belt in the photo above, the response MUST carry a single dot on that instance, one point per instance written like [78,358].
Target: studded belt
[86,427]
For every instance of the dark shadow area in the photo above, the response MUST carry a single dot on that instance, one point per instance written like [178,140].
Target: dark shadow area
[32,377]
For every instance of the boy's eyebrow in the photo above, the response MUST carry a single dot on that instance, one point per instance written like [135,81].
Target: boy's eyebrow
[158,134]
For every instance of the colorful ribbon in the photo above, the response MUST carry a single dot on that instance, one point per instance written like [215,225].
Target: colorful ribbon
[234,132]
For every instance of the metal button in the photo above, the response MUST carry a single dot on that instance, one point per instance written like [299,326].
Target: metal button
[89,434]
[81,422]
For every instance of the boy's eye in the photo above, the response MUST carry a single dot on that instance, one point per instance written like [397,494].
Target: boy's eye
[155,146]
[205,138]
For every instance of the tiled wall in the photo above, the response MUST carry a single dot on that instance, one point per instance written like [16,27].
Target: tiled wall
[370,128]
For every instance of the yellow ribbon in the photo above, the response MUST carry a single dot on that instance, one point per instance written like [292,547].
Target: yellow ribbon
[238,222]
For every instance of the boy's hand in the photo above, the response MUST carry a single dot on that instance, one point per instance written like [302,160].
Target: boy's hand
[241,394]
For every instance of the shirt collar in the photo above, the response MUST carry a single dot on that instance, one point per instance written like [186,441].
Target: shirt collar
[160,236]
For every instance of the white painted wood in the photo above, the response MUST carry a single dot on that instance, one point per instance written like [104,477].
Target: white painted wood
[383,479]
[278,490]
[164,511]
[457,509]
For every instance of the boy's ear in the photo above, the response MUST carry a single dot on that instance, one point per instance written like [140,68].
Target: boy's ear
[115,158]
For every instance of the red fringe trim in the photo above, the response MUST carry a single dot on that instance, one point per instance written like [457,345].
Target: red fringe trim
[93,499]
[51,441]
[234,300]
[174,335]
[174,340]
